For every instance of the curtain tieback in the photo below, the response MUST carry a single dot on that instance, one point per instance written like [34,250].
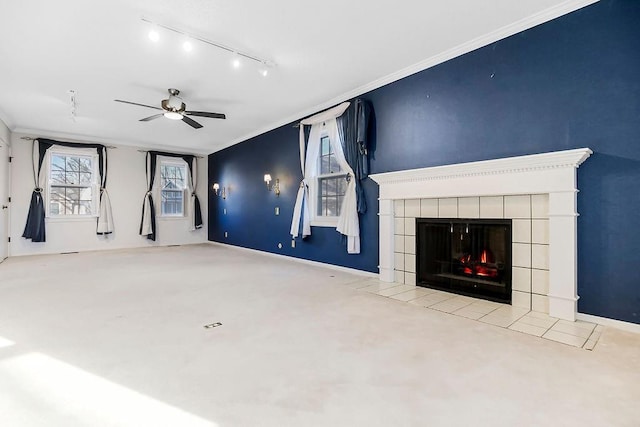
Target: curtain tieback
[148,193]
[38,190]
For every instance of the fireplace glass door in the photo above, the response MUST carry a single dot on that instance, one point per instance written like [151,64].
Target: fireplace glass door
[465,256]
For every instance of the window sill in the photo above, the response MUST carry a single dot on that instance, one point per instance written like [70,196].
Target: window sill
[324,222]
[82,218]
[171,218]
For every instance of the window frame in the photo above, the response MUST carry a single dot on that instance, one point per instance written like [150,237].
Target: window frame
[94,185]
[316,219]
[176,163]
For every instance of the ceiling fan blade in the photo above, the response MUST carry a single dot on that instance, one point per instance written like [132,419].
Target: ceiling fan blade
[191,122]
[155,116]
[135,103]
[205,114]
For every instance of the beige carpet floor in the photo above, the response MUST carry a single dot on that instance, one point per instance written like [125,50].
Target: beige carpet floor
[117,339]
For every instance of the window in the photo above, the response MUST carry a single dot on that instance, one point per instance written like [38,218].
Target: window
[172,184]
[72,184]
[330,186]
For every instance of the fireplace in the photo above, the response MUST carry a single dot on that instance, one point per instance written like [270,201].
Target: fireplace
[466,256]
[547,281]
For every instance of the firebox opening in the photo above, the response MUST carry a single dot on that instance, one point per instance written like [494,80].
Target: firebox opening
[466,256]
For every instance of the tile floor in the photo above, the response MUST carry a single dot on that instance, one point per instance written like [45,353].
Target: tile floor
[576,334]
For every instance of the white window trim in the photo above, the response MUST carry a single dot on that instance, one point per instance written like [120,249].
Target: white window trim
[158,189]
[321,220]
[95,185]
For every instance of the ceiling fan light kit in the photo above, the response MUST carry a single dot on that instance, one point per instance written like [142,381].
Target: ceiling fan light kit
[175,109]
[173,116]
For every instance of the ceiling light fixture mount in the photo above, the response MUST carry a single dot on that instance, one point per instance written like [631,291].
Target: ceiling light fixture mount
[264,62]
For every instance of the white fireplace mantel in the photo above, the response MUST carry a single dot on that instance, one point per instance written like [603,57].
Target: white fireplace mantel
[548,173]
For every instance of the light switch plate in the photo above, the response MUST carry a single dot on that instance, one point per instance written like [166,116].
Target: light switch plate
[277,210]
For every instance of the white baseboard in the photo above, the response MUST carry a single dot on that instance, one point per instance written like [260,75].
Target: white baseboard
[605,321]
[301,260]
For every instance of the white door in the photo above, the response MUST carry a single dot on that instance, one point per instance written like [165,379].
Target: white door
[4,199]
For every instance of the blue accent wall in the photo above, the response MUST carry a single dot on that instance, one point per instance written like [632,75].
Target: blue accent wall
[570,83]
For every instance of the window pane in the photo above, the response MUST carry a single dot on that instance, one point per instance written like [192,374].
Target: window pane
[85,164]
[332,207]
[324,165]
[86,193]
[72,178]
[57,177]
[84,207]
[70,192]
[73,164]
[57,163]
[339,200]
[85,178]
[172,202]
[334,166]
[331,186]
[342,186]
[326,146]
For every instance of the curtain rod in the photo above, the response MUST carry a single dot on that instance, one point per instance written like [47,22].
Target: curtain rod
[182,154]
[28,138]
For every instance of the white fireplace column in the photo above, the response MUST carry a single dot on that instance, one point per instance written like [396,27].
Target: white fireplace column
[563,253]
[387,244]
[548,173]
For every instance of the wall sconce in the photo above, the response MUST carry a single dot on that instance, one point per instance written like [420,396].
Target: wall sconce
[276,186]
[223,193]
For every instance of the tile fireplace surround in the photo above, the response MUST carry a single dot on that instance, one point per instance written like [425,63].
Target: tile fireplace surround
[538,192]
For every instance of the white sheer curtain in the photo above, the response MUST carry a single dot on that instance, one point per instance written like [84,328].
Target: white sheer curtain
[348,223]
[192,182]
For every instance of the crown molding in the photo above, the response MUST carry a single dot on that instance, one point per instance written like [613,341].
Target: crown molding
[74,137]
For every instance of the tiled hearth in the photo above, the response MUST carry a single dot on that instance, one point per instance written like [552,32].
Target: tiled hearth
[539,192]
[530,231]
[577,334]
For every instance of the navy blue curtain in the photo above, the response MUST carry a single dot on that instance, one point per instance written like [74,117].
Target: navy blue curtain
[353,126]
[151,173]
[150,169]
[34,229]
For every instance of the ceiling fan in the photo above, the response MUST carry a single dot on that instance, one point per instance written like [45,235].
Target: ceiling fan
[173,108]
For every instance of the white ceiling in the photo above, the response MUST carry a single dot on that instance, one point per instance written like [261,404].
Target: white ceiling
[325,52]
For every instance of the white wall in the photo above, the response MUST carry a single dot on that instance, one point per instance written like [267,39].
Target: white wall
[4,188]
[5,134]
[126,186]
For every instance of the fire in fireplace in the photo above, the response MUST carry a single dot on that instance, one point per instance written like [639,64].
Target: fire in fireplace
[466,256]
